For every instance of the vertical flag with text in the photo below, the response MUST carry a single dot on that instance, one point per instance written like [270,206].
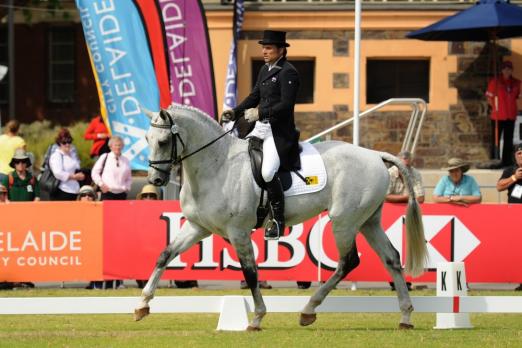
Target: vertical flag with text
[230,100]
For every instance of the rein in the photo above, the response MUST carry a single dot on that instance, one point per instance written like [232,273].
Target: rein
[174,158]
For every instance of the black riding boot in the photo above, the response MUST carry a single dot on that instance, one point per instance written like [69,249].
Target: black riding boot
[277,207]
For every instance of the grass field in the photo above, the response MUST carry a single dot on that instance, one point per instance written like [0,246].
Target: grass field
[280,330]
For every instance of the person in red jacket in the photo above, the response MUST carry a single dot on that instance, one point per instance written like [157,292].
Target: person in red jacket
[503,92]
[99,134]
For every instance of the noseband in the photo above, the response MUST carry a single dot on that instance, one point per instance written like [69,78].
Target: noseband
[174,158]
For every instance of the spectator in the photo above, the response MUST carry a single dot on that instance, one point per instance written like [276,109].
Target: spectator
[457,188]
[3,199]
[112,174]
[87,194]
[9,142]
[3,194]
[398,192]
[148,192]
[21,185]
[99,134]
[66,168]
[503,92]
[511,180]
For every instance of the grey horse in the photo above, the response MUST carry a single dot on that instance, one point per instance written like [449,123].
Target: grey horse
[219,196]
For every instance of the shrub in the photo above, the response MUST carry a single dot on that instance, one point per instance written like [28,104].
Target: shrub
[40,134]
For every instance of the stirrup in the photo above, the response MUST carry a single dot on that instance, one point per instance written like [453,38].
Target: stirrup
[272,231]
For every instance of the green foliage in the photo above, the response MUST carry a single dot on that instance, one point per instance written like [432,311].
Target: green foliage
[52,7]
[40,134]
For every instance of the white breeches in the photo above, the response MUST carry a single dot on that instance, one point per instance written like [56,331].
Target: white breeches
[271,160]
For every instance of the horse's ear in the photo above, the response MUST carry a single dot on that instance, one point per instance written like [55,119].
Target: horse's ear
[164,114]
[147,112]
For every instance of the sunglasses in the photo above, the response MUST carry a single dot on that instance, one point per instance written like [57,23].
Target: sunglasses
[148,195]
[19,161]
[66,142]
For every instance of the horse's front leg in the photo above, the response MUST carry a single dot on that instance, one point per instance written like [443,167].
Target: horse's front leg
[189,235]
[243,245]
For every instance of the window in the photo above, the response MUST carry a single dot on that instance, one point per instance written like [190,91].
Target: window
[4,84]
[306,68]
[386,78]
[61,65]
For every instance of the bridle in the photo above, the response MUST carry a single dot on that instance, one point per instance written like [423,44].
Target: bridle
[174,131]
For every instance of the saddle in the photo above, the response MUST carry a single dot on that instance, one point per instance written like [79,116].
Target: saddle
[255,150]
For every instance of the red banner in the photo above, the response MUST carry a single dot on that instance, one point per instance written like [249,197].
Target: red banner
[485,237]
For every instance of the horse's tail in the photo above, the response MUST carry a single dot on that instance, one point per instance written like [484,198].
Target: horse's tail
[416,252]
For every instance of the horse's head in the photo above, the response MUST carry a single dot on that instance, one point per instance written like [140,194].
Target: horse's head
[163,139]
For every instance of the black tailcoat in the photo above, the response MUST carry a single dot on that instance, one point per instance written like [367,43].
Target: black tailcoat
[275,94]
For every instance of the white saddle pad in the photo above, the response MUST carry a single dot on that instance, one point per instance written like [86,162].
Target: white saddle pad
[312,169]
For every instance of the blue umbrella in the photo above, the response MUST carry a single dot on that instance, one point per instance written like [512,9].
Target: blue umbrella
[484,21]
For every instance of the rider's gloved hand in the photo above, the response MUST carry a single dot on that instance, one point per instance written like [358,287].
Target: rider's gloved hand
[252,115]
[228,115]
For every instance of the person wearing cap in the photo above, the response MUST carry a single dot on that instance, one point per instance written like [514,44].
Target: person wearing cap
[457,188]
[271,105]
[511,180]
[397,191]
[22,185]
[87,194]
[9,142]
[502,93]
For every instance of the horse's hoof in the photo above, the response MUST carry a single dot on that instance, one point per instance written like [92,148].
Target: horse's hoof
[253,328]
[141,313]
[307,319]
[403,326]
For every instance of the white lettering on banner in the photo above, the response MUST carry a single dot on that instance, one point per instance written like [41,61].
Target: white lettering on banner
[272,256]
[182,67]
[38,261]
[291,242]
[43,241]
[5,260]
[121,83]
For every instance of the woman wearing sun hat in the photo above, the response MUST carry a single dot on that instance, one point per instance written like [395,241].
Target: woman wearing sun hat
[457,187]
[21,185]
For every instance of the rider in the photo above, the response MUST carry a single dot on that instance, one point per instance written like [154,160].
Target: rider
[271,103]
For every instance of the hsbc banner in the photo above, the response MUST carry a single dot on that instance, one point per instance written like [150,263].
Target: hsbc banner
[486,237]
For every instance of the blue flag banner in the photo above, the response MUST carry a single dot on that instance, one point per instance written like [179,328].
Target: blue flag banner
[231,78]
[124,71]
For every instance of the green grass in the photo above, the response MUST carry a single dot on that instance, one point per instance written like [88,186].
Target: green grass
[280,330]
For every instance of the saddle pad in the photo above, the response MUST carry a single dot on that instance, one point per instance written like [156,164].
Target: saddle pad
[312,168]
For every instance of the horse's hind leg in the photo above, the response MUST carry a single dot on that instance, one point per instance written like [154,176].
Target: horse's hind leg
[348,260]
[245,252]
[189,235]
[378,240]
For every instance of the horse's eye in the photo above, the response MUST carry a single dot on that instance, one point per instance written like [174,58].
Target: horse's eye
[162,142]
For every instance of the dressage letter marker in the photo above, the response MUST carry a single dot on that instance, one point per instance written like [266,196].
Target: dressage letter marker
[450,280]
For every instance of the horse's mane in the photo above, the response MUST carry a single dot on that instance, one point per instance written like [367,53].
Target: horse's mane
[201,115]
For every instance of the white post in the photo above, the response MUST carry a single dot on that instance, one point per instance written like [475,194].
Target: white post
[451,282]
[234,315]
[356,70]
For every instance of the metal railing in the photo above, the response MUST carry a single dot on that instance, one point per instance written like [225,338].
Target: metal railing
[419,108]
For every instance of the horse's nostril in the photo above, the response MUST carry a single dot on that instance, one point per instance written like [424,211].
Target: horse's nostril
[157,181]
